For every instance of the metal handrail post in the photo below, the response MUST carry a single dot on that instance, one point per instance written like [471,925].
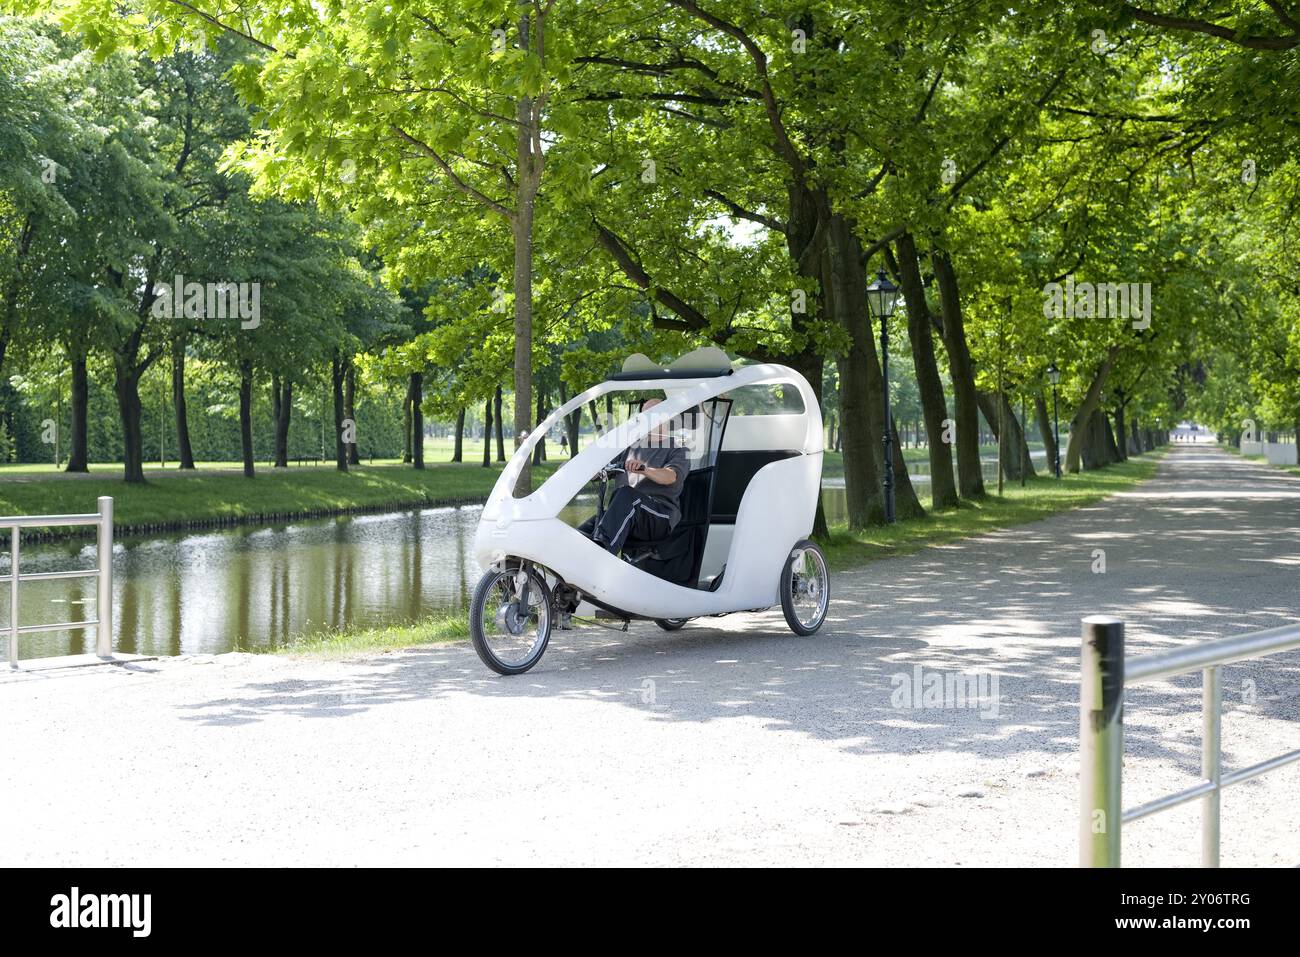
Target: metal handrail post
[104,598]
[1102,681]
[1101,736]
[1211,764]
[13,596]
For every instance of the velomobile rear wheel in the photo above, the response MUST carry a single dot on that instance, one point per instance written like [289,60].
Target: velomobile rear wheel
[671,624]
[805,588]
[509,629]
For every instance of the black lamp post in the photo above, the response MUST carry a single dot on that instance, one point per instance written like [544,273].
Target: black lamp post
[1054,376]
[882,295]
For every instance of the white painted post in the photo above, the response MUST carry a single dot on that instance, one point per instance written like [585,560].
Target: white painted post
[13,596]
[104,600]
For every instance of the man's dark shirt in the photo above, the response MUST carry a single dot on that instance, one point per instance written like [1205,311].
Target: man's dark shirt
[669,456]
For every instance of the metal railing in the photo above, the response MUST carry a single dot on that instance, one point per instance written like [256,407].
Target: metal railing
[1103,678]
[103,620]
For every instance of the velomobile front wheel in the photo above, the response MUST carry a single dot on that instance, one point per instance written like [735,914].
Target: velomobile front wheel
[805,588]
[510,619]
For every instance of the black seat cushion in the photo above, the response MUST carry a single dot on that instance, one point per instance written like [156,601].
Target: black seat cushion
[735,471]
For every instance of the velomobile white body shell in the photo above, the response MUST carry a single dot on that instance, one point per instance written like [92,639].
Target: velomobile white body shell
[777,509]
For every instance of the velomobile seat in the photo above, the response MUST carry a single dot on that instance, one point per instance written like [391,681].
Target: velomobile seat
[677,557]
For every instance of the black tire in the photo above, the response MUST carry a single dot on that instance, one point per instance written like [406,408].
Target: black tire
[798,586]
[671,624]
[497,591]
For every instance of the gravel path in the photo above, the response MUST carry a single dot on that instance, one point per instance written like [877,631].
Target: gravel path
[731,742]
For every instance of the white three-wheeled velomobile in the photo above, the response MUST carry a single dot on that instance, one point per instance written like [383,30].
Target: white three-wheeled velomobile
[741,544]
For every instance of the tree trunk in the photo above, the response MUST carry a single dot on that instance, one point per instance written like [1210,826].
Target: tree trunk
[847,255]
[406,425]
[1098,449]
[1120,437]
[1013,448]
[820,260]
[417,420]
[350,410]
[1108,438]
[246,414]
[283,391]
[934,407]
[501,443]
[528,179]
[185,449]
[1045,430]
[970,475]
[126,386]
[1089,448]
[487,434]
[862,481]
[9,309]
[572,421]
[338,372]
[1082,416]
[539,450]
[457,452]
[78,455]
[1135,439]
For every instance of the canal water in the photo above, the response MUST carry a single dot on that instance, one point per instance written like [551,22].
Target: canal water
[259,587]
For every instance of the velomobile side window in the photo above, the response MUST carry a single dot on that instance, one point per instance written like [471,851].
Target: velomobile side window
[781,398]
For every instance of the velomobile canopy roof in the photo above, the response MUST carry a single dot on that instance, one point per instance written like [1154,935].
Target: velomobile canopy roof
[707,363]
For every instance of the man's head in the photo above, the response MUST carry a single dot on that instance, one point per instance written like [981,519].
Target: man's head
[660,431]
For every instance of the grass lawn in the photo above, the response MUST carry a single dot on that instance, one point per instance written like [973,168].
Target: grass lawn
[833,462]
[1038,499]
[450,626]
[207,496]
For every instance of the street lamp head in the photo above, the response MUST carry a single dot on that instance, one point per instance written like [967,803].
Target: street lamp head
[1053,374]
[882,295]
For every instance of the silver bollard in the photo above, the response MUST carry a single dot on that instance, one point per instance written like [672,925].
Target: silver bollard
[104,599]
[1211,763]
[1101,740]
[13,597]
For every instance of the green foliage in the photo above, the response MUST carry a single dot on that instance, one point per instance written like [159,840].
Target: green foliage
[364,163]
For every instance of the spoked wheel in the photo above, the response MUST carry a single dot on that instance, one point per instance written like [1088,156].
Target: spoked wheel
[805,588]
[510,619]
[671,624]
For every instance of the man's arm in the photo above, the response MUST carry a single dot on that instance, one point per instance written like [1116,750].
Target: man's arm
[660,476]
[665,475]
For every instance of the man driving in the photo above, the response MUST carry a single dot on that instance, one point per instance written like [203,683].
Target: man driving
[645,500]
